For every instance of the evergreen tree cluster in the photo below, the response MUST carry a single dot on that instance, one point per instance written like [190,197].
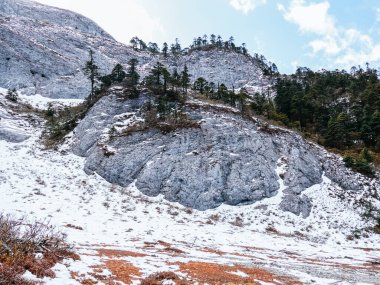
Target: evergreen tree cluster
[162,81]
[206,42]
[220,92]
[341,108]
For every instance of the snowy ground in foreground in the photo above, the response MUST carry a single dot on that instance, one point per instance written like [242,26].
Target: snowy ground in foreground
[154,235]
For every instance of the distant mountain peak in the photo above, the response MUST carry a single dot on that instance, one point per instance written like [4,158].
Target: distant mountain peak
[52,15]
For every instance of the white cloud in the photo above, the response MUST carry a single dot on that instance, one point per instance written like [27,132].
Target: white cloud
[123,19]
[309,18]
[343,46]
[246,6]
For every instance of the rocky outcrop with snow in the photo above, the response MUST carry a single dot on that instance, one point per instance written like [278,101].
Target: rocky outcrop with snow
[229,159]
[222,66]
[11,130]
[43,49]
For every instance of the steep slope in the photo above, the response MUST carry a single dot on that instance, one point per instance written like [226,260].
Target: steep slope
[222,66]
[226,159]
[43,51]
[124,236]
[50,15]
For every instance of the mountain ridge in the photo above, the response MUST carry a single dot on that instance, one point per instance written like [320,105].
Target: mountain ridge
[52,62]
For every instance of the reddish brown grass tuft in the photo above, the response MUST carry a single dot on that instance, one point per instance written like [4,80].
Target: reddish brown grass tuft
[160,277]
[224,274]
[118,253]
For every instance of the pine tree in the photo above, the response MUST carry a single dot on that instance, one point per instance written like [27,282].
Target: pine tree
[200,84]
[177,46]
[175,79]
[219,41]
[244,49]
[185,78]
[153,47]
[165,49]
[91,70]
[375,126]
[213,39]
[156,73]
[134,42]
[118,73]
[132,74]
[166,77]
[12,95]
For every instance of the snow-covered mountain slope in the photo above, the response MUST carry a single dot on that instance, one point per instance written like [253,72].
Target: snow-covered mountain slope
[50,15]
[220,66]
[43,51]
[124,236]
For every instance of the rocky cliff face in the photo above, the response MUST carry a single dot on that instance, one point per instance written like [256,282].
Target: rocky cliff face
[43,51]
[228,159]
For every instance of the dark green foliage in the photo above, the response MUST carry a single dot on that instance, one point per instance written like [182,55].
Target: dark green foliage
[138,44]
[132,77]
[362,163]
[165,49]
[372,213]
[91,71]
[340,108]
[118,74]
[185,78]
[339,132]
[202,43]
[12,95]
[153,48]
[162,83]
[200,84]
[366,155]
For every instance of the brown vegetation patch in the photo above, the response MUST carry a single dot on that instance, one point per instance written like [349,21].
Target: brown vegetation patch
[34,247]
[160,277]
[163,243]
[118,253]
[224,274]
[123,270]
[173,249]
[211,250]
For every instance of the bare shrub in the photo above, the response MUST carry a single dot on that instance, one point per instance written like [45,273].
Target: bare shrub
[32,246]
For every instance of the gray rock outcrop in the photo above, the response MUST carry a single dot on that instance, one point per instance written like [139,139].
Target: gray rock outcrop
[228,159]
[12,134]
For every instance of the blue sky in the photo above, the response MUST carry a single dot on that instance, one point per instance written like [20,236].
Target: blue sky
[318,34]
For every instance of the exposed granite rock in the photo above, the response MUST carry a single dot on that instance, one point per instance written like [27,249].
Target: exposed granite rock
[12,134]
[227,160]
[296,204]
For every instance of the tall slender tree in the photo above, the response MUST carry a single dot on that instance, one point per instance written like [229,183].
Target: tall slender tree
[185,78]
[165,49]
[91,71]
[132,74]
